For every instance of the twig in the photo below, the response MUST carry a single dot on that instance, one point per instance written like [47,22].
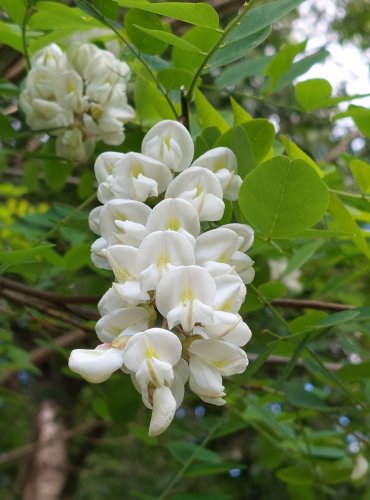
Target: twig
[29,449]
[25,301]
[311,304]
[54,298]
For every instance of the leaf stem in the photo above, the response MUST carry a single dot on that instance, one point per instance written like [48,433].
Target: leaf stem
[228,29]
[190,460]
[135,52]
[27,15]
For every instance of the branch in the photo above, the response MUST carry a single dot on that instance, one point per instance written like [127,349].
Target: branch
[311,304]
[46,296]
[25,301]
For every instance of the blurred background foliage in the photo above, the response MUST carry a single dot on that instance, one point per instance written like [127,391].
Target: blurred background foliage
[296,424]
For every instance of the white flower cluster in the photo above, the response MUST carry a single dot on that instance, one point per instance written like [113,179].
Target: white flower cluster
[82,93]
[168,273]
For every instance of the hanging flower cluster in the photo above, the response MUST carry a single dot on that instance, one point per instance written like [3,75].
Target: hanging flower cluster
[82,93]
[168,272]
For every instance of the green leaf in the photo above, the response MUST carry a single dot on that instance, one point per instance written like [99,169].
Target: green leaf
[281,62]
[352,373]
[301,256]
[295,153]
[7,89]
[360,115]
[261,133]
[175,78]
[296,474]
[338,318]
[202,38]
[240,114]
[234,50]
[281,197]
[361,172]
[52,15]
[262,13]
[6,129]
[169,38]
[182,451]
[245,69]
[22,256]
[11,34]
[307,322]
[199,14]
[313,94]
[345,222]
[243,149]
[272,290]
[201,470]
[299,68]
[108,8]
[15,10]
[208,116]
[206,141]
[296,395]
[86,185]
[150,104]
[56,173]
[135,22]
[77,257]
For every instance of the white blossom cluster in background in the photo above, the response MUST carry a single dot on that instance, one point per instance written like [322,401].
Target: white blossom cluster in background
[80,92]
[169,272]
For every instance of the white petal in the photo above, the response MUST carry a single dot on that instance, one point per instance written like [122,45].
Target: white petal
[98,255]
[122,259]
[223,356]
[169,142]
[183,285]
[123,221]
[246,234]
[164,407]
[130,293]
[205,380]
[216,245]
[163,249]
[230,293]
[229,327]
[202,189]
[95,365]
[174,214]
[243,266]
[104,165]
[153,343]
[127,321]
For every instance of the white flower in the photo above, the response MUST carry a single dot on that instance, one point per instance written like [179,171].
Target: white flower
[227,324]
[174,214]
[245,233]
[214,250]
[125,321]
[217,251]
[164,408]
[69,92]
[122,259]
[138,177]
[120,221]
[159,253]
[222,162]
[80,55]
[185,295]
[96,365]
[202,189]
[51,57]
[105,68]
[209,360]
[360,469]
[73,146]
[170,143]
[104,163]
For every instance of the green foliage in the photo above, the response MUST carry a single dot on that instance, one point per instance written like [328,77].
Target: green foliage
[296,422]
